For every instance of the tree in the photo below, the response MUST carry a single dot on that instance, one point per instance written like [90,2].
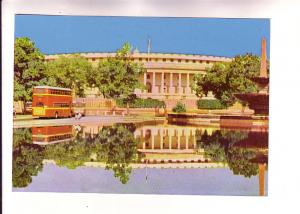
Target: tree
[71,154]
[27,158]
[69,72]
[221,147]
[118,149]
[118,77]
[29,69]
[226,79]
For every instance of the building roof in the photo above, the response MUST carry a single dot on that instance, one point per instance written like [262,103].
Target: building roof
[51,87]
[151,55]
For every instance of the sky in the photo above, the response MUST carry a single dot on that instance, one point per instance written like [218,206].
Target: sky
[205,36]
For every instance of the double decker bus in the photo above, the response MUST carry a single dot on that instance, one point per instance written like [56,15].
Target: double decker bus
[51,102]
[51,134]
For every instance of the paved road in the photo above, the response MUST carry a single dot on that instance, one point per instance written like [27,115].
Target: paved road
[85,120]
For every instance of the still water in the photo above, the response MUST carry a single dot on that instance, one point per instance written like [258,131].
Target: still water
[146,159]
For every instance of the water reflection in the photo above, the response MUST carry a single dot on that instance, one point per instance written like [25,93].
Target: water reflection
[123,147]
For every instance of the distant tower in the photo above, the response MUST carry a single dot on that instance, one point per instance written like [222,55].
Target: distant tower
[263,64]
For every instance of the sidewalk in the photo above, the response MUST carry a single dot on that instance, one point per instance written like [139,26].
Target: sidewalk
[84,120]
[24,117]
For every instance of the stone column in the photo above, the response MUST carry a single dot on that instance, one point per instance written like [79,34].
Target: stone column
[186,138]
[188,88]
[180,89]
[152,140]
[161,138]
[261,175]
[145,82]
[178,139]
[263,64]
[153,84]
[194,138]
[162,83]
[171,88]
[170,140]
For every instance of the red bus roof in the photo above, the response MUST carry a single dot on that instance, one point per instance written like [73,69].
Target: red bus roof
[51,87]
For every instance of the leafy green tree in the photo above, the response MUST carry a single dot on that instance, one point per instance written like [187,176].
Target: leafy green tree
[118,149]
[220,147]
[69,72]
[226,79]
[117,77]
[27,158]
[239,161]
[29,69]
[70,154]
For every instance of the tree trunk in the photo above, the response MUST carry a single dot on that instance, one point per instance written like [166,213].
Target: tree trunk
[127,105]
[24,107]
[243,109]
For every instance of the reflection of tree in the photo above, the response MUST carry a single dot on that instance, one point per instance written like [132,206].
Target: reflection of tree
[118,150]
[239,161]
[70,154]
[221,146]
[27,158]
[212,146]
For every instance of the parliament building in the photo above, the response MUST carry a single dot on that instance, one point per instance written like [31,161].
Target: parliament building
[168,77]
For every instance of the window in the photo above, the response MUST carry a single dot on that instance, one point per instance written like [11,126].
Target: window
[39,104]
[164,60]
[148,76]
[61,105]
[179,60]
[186,60]
[172,60]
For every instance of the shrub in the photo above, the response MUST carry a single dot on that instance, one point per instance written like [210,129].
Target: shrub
[142,103]
[179,108]
[210,104]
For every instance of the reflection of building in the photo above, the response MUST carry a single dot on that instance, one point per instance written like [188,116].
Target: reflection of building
[168,76]
[169,144]
[51,134]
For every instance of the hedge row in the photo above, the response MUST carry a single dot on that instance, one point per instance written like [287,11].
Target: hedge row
[210,104]
[142,103]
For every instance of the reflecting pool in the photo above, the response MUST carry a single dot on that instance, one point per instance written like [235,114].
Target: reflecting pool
[140,158]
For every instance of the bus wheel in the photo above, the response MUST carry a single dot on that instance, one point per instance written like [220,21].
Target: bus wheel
[56,115]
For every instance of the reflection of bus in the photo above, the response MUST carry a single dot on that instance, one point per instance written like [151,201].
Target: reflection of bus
[51,134]
[51,102]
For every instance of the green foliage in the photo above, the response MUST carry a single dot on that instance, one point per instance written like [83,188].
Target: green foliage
[29,69]
[226,79]
[69,72]
[118,149]
[27,158]
[71,154]
[210,104]
[239,161]
[117,77]
[220,147]
[179,108]
[141,103]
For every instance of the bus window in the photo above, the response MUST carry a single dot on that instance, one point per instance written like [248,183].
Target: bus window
[39,104]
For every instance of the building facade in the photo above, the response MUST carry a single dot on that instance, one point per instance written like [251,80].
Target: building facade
[168,77]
